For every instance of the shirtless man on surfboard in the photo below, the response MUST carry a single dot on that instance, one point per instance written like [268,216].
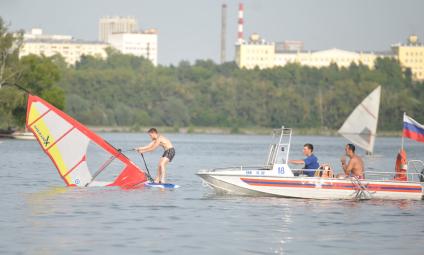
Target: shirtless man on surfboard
[167,156]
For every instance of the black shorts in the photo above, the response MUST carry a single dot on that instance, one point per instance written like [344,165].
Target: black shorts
[169,153]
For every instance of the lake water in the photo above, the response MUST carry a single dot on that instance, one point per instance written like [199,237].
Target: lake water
[40,216]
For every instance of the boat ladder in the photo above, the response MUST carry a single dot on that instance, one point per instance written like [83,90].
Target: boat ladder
[361,191]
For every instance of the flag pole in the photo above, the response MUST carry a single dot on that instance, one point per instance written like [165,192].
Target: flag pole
[402,130]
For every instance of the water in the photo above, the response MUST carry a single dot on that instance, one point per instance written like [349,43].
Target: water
[40,216]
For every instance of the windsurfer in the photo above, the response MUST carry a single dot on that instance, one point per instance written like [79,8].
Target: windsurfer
[167,156]
[355,167]
[311,162]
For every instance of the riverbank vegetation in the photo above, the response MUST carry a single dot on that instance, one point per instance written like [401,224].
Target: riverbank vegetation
[129,91]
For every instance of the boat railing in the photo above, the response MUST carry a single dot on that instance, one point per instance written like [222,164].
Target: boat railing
[271,155]
[324,170]
[417,166]
[279,151]
[243,168]
[389,176]
[303,172]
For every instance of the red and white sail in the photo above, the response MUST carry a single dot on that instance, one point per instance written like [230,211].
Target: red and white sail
[66,142]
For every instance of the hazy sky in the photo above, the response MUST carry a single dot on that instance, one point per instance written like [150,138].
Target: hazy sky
[190,29]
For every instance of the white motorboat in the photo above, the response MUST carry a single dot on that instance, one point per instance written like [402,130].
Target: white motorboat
[276,178]
[25,135]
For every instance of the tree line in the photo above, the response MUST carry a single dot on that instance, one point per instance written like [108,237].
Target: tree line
[125,90]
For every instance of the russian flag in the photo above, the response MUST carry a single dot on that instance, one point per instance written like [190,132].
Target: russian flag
[412,129]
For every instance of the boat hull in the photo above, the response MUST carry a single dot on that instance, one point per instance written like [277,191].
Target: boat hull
[18,135]
[311,187]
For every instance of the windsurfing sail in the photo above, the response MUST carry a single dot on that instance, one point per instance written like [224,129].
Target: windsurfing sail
[361,126]
[67,143]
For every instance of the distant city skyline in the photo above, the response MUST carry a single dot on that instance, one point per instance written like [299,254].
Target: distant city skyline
[190,29]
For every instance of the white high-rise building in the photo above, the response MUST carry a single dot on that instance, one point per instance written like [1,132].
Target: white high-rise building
[116,24]
[71,49]
[138,44]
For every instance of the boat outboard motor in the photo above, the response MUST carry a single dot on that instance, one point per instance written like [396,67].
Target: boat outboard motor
[422,175]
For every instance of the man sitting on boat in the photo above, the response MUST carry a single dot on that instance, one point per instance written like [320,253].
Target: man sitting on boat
[168,154]
[310,162]
[355,168]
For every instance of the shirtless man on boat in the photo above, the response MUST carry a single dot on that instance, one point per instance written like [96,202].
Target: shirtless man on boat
[167,156]
[355,167]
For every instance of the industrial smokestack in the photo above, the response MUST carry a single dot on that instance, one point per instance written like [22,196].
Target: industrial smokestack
[240,24]
[223,31]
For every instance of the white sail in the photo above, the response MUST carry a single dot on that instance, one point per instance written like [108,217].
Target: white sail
[361,126]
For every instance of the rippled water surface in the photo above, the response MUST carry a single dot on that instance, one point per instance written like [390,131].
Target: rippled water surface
[40,216]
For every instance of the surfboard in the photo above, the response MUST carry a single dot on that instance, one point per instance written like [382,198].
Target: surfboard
[161,185]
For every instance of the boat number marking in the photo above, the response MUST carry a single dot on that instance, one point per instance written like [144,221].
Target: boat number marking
[257,172]
[281,170]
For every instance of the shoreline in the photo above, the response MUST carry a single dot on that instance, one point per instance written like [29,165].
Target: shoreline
[229,130]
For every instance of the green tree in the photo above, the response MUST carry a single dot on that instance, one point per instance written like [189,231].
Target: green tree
[9,55]
[10,97]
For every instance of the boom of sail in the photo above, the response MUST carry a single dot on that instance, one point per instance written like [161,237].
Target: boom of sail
[361,126]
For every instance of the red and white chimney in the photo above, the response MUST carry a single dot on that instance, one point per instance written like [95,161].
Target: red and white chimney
[240,24]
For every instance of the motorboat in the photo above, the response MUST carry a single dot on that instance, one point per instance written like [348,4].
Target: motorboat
[23,135]
[276,178]
[20,135]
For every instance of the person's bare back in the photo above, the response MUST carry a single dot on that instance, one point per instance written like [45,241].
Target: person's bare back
[164,142]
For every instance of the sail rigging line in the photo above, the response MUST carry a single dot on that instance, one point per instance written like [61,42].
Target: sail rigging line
[346,133]
[148,172]
[107,163]
[39,117]
[76,165]
[102,167]
[60,138]
[18,86]
[368,111]
[120,150]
